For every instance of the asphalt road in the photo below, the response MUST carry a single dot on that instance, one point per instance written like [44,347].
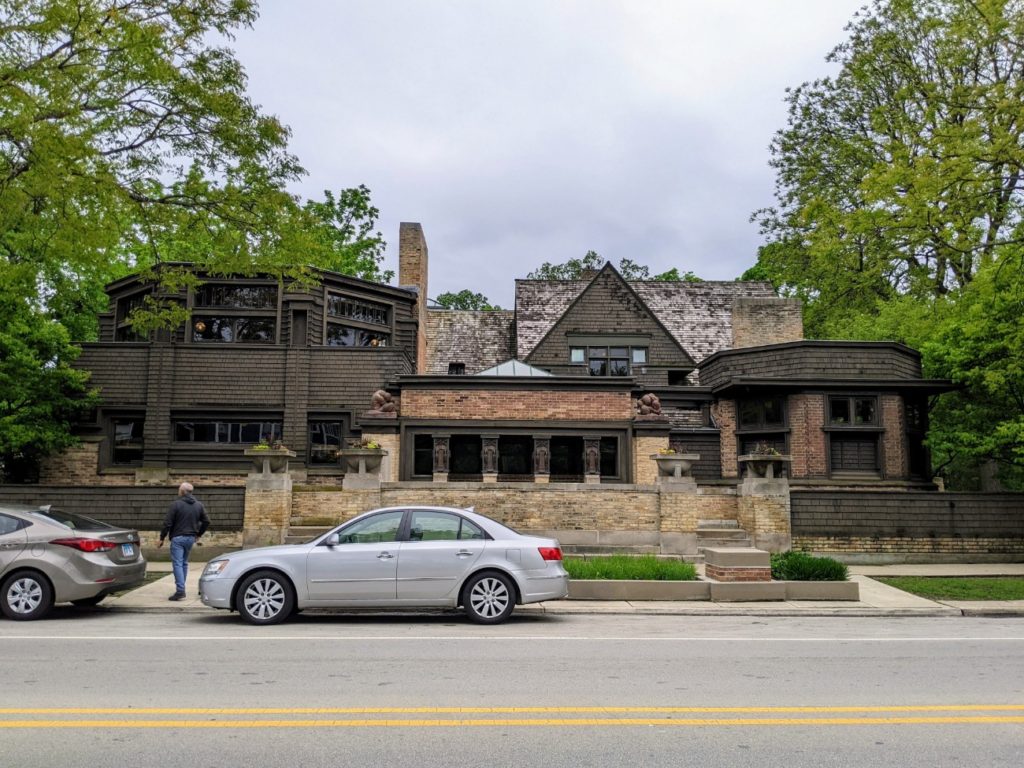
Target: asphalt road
[95,688]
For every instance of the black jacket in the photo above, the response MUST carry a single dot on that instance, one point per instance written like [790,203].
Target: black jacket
[186,517]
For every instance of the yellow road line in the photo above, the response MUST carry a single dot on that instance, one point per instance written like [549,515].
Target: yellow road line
[509,722]
[492,710]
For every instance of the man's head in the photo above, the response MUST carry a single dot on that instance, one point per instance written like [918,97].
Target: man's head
[184,488]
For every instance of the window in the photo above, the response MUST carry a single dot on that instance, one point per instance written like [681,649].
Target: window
[456,369]
[127,445]
[441,526]
[346,336]
[608,361]
[677,378]
[124,331]
[234,432]
[423,455]
[515,455]
[365,323]
[325,441]
[11,524]
[762,412]
[853,434]
[918,463]
[373,530]
[237,296]
[253,321]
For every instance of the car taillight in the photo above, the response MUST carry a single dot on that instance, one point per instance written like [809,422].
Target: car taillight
[85,545]
[550,553]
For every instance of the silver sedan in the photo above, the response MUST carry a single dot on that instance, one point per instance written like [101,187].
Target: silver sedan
[48,556]
[402,557]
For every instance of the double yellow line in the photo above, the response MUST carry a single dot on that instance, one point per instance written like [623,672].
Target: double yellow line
[448,717]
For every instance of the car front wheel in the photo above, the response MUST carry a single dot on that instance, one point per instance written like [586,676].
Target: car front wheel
[489,598]
[265,597]
[25,596]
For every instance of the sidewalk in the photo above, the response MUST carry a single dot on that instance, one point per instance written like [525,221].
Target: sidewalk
[876,598]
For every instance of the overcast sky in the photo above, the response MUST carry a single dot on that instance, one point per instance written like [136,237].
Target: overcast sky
[536,130]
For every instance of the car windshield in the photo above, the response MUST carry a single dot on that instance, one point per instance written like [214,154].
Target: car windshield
[75,522]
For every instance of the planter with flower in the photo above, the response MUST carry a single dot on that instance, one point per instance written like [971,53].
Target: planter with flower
[674,466]
[362,458]
[269,457]
[765,461]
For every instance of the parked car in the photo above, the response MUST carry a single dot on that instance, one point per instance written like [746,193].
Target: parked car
[48,556]
[407,557]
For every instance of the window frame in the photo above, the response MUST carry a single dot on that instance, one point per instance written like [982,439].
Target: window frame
[232,313]
[589,358]
[385,330]
[850,429]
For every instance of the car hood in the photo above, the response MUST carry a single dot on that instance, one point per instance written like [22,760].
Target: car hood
[260,553]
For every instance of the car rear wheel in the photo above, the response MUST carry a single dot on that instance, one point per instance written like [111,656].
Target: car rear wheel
[489,598]
[26,595]
[265,597]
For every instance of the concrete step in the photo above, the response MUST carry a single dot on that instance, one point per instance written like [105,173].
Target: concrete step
[300,533]
[296,520]
[721,533]
[718,524]
[711,543]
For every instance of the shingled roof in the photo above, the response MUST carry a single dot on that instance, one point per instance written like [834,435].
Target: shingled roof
[480,339]
[698,315]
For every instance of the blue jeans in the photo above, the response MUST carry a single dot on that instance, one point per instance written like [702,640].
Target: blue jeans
[181,547]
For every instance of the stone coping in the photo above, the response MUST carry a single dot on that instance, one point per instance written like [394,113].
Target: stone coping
[614,589]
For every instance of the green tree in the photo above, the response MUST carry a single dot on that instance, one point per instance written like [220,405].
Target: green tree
[126,141]
[899,184]
[343,228]
[465,299]
[573,269]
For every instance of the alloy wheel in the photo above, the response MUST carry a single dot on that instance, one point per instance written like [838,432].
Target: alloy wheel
[489,597]
[24,595]
[264,598]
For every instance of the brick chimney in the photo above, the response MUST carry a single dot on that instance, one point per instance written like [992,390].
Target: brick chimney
[412,273]
[766,321]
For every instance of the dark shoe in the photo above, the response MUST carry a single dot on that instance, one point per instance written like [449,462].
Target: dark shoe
[177,596]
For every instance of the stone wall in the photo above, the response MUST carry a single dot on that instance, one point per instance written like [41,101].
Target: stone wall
[645,470]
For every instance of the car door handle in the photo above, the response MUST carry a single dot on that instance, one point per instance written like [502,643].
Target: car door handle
[385,556]
[463,553]
[9,546]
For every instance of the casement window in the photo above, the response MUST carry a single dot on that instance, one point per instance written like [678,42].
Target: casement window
[355,322]
[227,313]
[231,432]
[123,329]
[854,434]
[608,361]
[127,443]
[456,369]
[761,423]
[918,462]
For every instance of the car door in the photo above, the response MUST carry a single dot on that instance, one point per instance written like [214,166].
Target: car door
[361,567]
[12,540]
[440,549]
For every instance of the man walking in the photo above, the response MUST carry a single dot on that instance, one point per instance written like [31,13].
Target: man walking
[185,522]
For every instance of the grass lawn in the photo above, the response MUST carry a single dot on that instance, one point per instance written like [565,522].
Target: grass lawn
[627,568]
[945,588]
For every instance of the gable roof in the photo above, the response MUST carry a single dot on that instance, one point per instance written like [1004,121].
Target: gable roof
[621,293]
[697,315]
[480,339]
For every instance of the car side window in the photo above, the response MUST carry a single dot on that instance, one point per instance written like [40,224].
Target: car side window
[471,530]
[10,524]
[372,530]
[433,526]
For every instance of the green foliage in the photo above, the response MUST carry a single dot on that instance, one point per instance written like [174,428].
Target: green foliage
[948,588]
[625,567]
[465,299]
[899,202]
[343,229]
[800,566]
[573,269]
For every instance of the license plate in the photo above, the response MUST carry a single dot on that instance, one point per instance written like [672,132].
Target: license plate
[128,550]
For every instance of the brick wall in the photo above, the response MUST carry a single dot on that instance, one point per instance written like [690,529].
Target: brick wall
[478,404]
[766,321]
[724,414]
[680,512]
[79,464]
[645,470]
[894,439]
[806,414]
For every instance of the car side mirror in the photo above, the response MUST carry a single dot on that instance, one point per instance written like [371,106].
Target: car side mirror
[333,540]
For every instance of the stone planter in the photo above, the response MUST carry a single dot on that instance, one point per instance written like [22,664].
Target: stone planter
[822,590]
[765,465]
[615,589]
[269,460]
[675,465]
[361,461]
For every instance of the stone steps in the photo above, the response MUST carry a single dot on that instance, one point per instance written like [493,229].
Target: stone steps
[300,533]
[721,533]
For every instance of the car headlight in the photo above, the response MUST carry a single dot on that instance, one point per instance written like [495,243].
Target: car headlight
[215,568]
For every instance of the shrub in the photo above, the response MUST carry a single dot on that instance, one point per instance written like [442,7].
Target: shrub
[628,568]
[800,566]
